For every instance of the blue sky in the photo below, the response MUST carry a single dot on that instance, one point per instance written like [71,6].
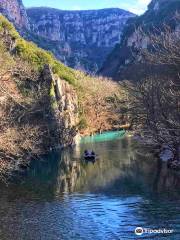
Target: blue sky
[136,6]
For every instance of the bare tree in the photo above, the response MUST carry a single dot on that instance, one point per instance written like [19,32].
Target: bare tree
[155,101]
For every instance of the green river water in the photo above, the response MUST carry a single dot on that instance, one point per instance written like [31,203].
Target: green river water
[64,198]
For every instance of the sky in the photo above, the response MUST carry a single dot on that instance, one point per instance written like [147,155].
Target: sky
[135,6]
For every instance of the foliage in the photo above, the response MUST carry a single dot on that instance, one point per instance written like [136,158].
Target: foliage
[98,103]
[82,123]
[155,100]
[6,25]
[6,61]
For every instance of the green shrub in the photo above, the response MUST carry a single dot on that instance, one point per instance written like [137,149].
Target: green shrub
[5,24]
[82,123]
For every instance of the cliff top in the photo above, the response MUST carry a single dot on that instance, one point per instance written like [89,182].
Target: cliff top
[55,10]
[35,12]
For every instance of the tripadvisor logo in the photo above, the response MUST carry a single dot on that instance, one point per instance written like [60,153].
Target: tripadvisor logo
[139,231]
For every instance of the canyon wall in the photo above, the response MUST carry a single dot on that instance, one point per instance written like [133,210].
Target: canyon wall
[80,39]
[15,11]
[121,63]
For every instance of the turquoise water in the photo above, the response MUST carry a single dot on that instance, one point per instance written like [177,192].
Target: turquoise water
[104,137]
[63,198]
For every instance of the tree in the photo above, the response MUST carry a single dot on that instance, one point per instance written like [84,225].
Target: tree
[155,101]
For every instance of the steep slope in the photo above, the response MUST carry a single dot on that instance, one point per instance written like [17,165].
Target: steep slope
[80,39]
[38,108]
[120,64]
[14,10]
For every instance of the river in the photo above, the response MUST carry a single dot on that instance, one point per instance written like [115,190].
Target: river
[64,198]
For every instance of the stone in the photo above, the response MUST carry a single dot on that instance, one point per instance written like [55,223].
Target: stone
[15,11]
[80,39]
[65,116]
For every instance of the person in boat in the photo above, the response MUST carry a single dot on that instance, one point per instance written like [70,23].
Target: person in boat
[88,153]
[93,154]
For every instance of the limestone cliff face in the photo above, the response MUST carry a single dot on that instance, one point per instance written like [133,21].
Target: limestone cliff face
[64,109]
[80,39]
[120,63]
[14,10]
[155,5]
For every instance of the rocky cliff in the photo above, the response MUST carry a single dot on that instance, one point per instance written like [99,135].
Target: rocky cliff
[120,64]
[64,108]
[80,39]
[14,10]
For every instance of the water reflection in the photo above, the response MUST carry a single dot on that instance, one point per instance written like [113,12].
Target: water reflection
[120,170]
[65,198]
[68,173]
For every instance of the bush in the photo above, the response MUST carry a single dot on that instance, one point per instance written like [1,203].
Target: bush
[82,124]
[5,24]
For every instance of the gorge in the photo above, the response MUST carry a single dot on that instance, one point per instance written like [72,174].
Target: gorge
[80,39]
[93,104]
[58,105]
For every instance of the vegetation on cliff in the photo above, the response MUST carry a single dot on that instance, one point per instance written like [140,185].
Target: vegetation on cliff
[20,135]
[37,57]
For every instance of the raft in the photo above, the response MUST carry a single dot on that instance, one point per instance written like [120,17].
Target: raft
[90,158]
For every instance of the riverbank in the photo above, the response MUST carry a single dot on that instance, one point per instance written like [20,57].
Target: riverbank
[162,152]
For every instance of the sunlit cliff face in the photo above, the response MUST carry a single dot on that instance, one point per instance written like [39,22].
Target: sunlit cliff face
[15,11]
[156,4]
[80,39]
